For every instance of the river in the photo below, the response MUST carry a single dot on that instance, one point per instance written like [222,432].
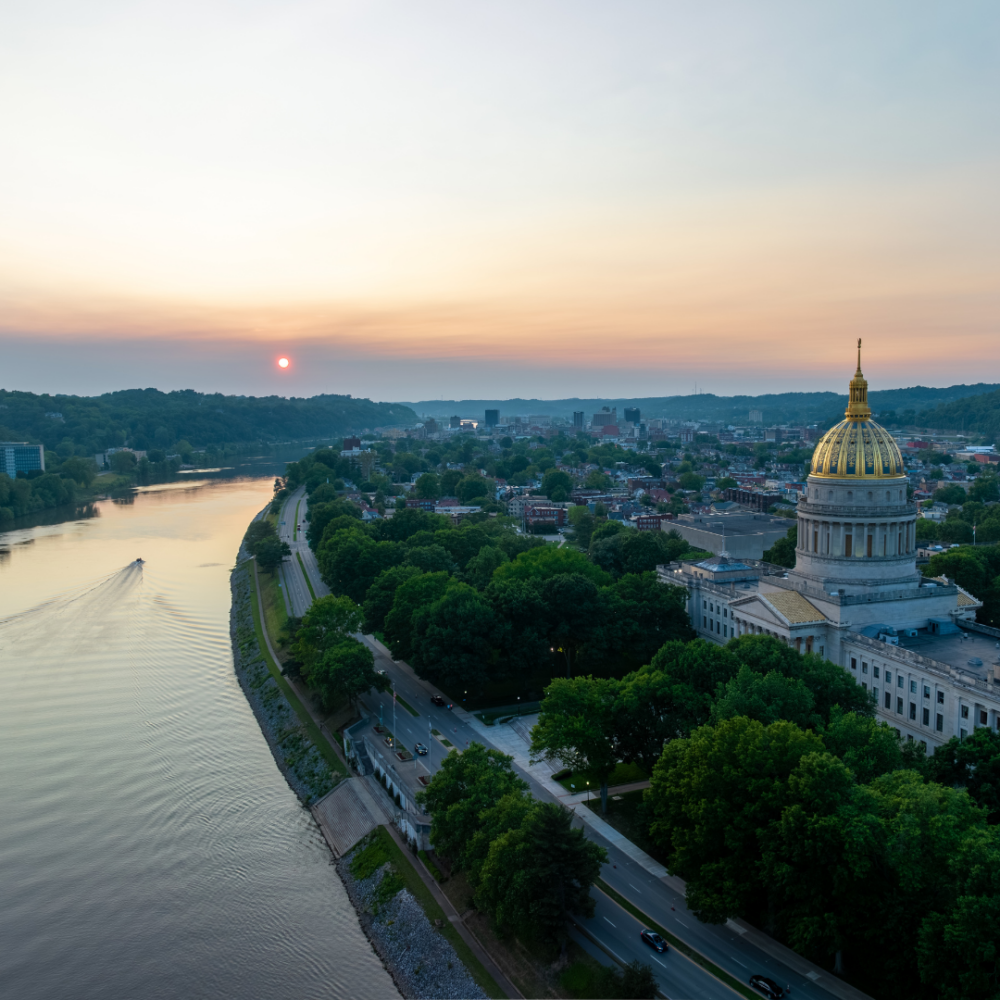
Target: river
[149,846]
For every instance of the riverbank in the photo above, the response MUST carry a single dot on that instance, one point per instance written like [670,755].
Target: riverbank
[381,884]
[306,768]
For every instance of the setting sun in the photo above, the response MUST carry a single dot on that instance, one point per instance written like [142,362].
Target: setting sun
[282,362]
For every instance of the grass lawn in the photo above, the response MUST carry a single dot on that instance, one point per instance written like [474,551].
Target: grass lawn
[623,774]
[312,593]
[321,742]
[275,610]
[412,881]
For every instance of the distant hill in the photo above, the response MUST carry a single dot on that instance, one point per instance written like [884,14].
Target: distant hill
[776,408]
[975,414]
[148,418]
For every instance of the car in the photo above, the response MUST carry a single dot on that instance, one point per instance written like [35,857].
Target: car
[421,749]
[436,699]
[653,939]
[768,987]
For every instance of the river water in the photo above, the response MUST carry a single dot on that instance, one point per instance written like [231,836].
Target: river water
[149,846]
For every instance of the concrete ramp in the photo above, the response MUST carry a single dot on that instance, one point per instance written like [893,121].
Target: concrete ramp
[347,814]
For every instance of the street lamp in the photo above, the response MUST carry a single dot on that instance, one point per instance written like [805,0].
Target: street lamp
[588,792]
[519,705]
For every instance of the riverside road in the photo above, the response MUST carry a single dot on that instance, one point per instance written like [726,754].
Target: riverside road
[635,877]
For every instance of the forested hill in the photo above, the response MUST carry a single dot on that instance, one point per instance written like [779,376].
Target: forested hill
[977,414]
[776,408]
[148,418]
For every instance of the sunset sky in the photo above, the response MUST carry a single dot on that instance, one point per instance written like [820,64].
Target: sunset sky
[444,199]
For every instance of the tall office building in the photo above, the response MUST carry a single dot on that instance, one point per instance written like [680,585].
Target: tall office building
[578,420]
[492,418]
[632,414]
[19,456]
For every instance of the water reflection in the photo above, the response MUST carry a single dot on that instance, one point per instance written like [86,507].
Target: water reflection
[149,847]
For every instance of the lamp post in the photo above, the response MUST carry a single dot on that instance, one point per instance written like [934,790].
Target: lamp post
[519,705]
[588,793]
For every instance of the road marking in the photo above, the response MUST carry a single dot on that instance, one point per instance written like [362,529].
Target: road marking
[655,959]
[736,960]
[637,890]
[681,922]
[610,923]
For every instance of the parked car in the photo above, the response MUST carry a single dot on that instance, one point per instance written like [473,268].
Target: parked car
[421,749]
[436,699]
[653,940]
[768,987]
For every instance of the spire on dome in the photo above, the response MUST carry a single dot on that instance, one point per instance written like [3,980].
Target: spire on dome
[858,408]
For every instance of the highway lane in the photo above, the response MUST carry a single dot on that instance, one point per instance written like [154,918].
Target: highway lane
[677,975]
[662,901]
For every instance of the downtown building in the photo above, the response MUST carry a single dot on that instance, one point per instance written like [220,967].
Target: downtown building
[855,596]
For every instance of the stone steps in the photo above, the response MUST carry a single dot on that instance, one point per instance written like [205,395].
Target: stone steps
[347,814]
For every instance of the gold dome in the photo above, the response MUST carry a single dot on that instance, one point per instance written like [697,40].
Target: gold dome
[857,448]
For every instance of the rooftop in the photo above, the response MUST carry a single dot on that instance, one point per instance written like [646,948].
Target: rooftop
[968,652]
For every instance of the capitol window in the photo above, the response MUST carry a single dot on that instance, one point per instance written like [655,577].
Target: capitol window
[940,697]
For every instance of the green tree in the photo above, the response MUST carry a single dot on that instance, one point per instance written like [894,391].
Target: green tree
[258,530]
[270,553]
[766,698]
[431,559]
[345,669]
[643,614]
[123,463]
[465,787]
[868,747]
[319,515]
[548,561]
[959,946]
[575,616]
[454,638]
[973,764]
[710,797]
[537,875]
[427,487]
[382,592]
[473,488]
[480,568]
[411,595]
[583,525]
[328,622]
[81,470]
[350,560]
[556,485]
[576,726]
[986,488]
[782,552]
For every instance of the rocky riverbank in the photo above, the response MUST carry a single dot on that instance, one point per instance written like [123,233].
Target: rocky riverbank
[419,959]
[297,757]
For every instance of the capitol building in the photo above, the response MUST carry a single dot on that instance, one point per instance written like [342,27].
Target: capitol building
[855,595]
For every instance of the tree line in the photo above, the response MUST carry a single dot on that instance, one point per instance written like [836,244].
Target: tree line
[147,419]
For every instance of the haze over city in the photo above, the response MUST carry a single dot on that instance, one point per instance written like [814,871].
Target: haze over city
[496,200]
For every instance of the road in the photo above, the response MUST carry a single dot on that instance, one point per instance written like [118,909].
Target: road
[660,898]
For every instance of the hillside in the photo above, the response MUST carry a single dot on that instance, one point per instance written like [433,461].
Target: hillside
[776,408]
[976,414]
[148,418]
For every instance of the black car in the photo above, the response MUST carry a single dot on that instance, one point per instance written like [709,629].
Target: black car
[421,749]
[653,940]
[768,987]
[436,699]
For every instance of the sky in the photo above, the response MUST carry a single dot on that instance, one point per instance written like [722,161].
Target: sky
[455,200]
